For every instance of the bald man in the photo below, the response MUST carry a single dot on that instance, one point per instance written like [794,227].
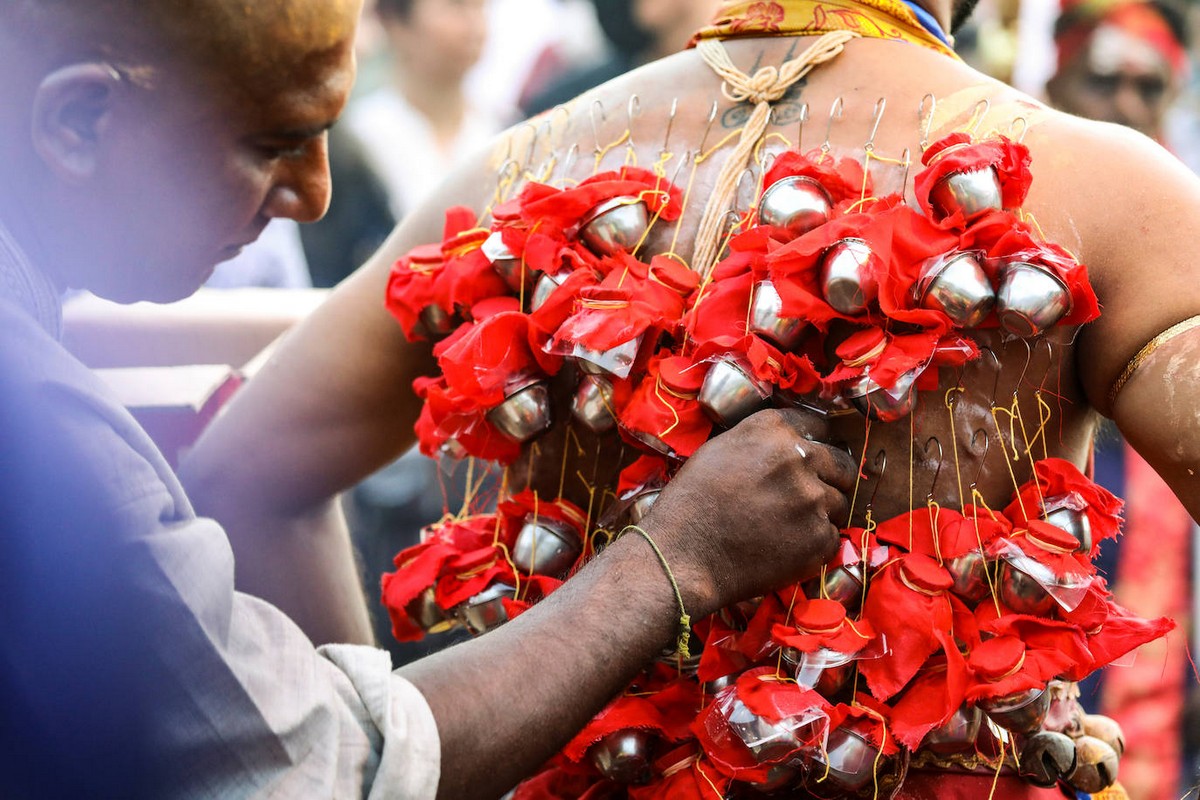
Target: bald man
[337,402]
[140,144]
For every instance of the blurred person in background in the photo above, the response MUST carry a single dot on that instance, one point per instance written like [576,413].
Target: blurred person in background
[1125,62]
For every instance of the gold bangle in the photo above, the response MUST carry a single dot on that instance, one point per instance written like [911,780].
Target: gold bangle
[1143,354]
[685,622]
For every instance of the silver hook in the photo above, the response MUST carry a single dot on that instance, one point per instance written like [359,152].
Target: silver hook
[712,117]
[1024,129]
[596,128]
[999,368]
[532,142]
[1028,360]
[926,123]
[906,157]
[877,117]
[880,464]
[987,447]
[1049,358]
[800,128]
[941,460]
[835,113]
[632,110]
[670,126]
[984,104]
[571,157]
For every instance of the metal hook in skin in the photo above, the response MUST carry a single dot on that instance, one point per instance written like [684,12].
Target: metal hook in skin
[906,157]
[712,117]
[999,369]
[978,116]
[880,464]
[596,128]
[670,126]
[570,158]
[800,128]
[941,459]
[632,110]
[987,446]
[926,123]
[835,113]
[876,118]
[1024,129]
[535,127]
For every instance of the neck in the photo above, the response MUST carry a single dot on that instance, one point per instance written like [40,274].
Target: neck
[441,102]
[942,11]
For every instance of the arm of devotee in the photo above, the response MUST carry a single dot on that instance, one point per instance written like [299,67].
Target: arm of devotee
[505,702]
[1146,262]
[333,404]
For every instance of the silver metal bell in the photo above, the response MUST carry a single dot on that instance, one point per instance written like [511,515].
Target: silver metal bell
[781,776]
[970,191]
[1030,299]
[593,404]
[957,733]
[765,317]
[525,413]
[624,756]
[969,572]
[1021,593]
[729,394]
[642,503]
[1023,712]
[724,682]
[847,280]
[615,225]
[426,613]
[883,405]
[546,547]
[959,288]
[1047,758]
[505,263]
[545,286]
[485,611]
[851,758]
[797,204]
[653,442]
[842,584]
[824,670]
[1095,766]
[766,740]
[1073,522]
[616,361]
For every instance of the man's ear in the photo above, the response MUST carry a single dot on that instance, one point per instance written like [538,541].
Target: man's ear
[72,108]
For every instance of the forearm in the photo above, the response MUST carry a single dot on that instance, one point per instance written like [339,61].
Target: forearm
[506,702]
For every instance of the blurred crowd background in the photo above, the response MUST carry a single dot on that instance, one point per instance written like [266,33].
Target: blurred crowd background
[438,78]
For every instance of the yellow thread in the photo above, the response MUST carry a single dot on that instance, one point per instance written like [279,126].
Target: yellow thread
[1012,475]
[999,767]
[685,622]
[603,151]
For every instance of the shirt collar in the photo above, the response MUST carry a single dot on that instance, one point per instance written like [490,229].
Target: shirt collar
[23,284]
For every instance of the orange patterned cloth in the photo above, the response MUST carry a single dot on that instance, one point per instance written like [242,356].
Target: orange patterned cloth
[871,19]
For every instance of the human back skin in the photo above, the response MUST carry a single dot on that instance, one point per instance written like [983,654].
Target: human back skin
[335,401]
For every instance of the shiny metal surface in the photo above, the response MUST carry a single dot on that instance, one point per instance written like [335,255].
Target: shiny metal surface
[624,756]
[616,361]
[615,225]
[841,584]
[960,289]
[847,280]
[1047,757]
[524,414]
[592,404]
[1030,299]
[883,405]
[766,740]
[728,394]
[1095,766]
[542,290]
[434,323]
[546,547]
[505,263]
[1021,593]
[957,734]
[969,572]
[1073,522]
[765,317]
[1106,729]
[797,204]
[642,504]
[485,611]
[851,758]
[426,613]
[971,191]
[1023,712]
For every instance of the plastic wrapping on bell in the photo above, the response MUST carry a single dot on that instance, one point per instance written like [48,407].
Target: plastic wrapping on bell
[766,740]
[827,671]
[426,613]
[525,413]
[1023,712]
[766,320]
[641,505]
[1047,758]
[851,757]
[971,191]
[798,204]
[729,393]
[507,265]
[969,572]
[847,279]
[485,611]
[624,756]
[1030,299]
[615,225]
[959,288]
[1022,593]
[957,734]
[885,405]
[616,361]
[593,404]
[1095,766]
[546,547]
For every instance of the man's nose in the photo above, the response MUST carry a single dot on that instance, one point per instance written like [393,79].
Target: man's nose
[1132,109]
[301,188]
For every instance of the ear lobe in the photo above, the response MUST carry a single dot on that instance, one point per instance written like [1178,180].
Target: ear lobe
[71,111]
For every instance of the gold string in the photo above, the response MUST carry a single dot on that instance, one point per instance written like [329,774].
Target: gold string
[685,621]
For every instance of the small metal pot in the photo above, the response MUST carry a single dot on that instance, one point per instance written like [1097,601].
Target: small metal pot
[1023,712]
[434,323]
[847,280]
[507,265]
[593,404]
[615,225]
[546,547]
[1030,299]
[485,611]
[624,756]
[616,361]
[956,734]
[1073,522]
[959,288]
[525,413]
[797,204]
[843,584]
[1021,593]
[880,404]
[426,613]
[545,286]
[642,503]
[851,758]
[969,572]
[767,741]
[970,191]
[728,394]
[765,318]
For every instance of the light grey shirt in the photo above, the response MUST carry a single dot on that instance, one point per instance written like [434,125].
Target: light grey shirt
[250,708]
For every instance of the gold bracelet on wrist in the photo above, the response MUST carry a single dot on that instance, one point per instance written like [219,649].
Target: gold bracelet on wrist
[685,621]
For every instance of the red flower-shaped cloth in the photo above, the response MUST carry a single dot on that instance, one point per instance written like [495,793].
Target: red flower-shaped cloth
[460,558]
[564,780]
[869,718]
[664,407]
[943,533]
[958,153]
[931,698]
[1112,631]
[1055,550]
[908,605]
[1019,244]
[686,775]
[1058,479]
[546,249]
[667,711]
[822,624]
[1048,648]
[562,209]
[647,472]
[844,179]
[562,302]
[453,275]
[449,417]
[489,358]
